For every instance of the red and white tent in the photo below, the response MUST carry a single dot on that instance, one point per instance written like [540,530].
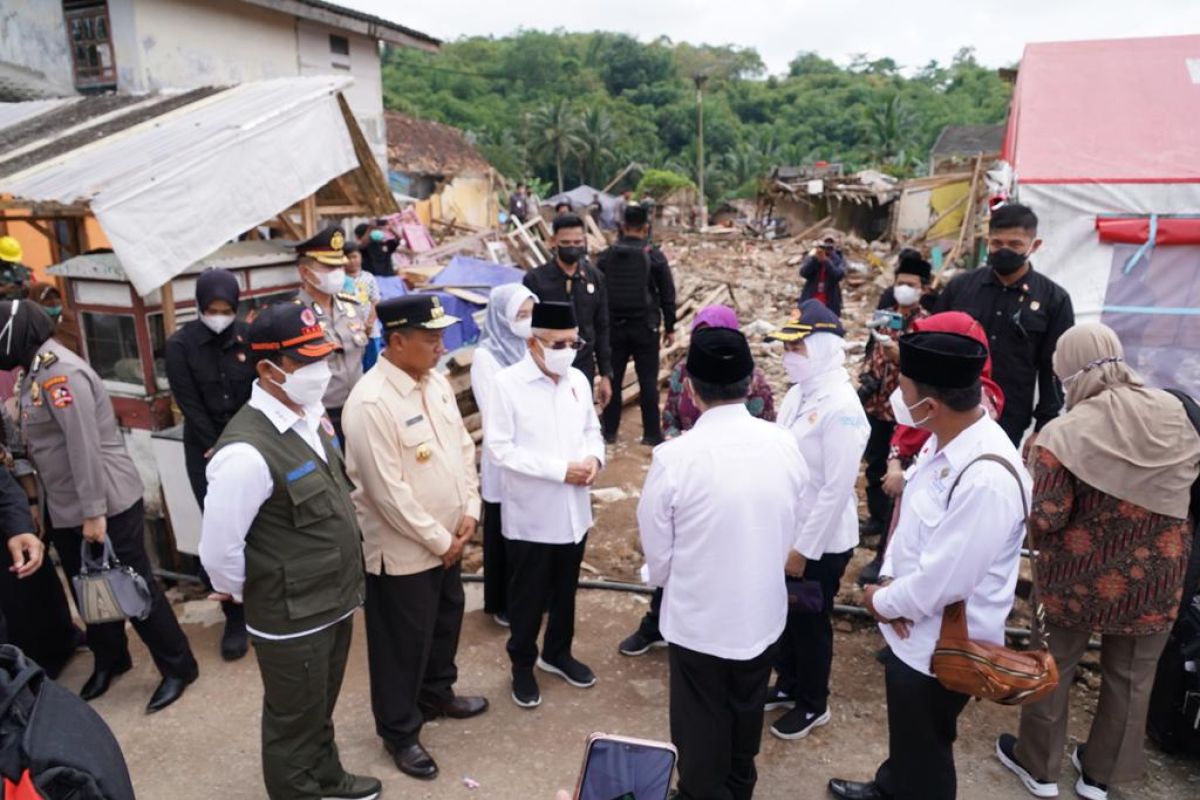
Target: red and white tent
[1104,145]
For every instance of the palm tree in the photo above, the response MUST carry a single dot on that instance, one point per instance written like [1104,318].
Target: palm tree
[598,138]
[555,131]
[888,122]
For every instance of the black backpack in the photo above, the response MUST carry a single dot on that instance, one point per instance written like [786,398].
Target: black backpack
[1174,718]
[626,269]
[52,744]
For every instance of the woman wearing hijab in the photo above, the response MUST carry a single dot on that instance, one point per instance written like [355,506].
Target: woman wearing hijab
[1112,481]
[211,373]
[679,415]
[506,328]
[66,324]
[823,410]
[93,492]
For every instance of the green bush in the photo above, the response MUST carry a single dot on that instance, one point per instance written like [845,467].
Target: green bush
[659,183]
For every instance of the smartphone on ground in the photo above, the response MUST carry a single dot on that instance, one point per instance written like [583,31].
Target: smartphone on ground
[623,768]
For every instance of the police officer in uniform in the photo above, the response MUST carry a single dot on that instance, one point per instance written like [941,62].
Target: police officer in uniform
[93,491]
[210,373]
[280,537]
[323,277]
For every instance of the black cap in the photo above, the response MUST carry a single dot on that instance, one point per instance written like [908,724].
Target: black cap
[554,316]
[635,215]
[812,317]
[719,355]
[943,360]
[325,247]
[290,329]
[911,263]
[414,311]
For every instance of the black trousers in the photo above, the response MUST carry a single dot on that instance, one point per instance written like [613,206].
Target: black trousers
[413,623]
[302,679]
[542,577]
[649,625]
[335,417]
[636,339]
[160,630]
[1015,421]
[922,727]
[879,505]
[804,656]
[495,561]
[716,722]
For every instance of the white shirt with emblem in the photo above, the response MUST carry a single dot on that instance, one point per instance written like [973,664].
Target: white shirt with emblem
[831,428]
[966,549]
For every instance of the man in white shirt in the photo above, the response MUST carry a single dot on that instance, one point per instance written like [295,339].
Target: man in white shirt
[279,536]
[543,433]
[717,517]
[946,548]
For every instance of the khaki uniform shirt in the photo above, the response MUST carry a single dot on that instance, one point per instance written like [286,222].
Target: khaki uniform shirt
[73,440]
[345,322]
[412,462]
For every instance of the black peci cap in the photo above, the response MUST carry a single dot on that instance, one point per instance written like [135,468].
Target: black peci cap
[911,263]
[943,360]
[720,356]
[414,311]
[554,316]
[290,329]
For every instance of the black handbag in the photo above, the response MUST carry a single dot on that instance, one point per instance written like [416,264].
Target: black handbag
[805,596]
[106,591]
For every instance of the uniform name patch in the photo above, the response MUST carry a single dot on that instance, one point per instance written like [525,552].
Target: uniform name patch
[408,423]
[300,471]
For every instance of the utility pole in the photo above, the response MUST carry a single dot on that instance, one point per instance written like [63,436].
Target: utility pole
[700,81]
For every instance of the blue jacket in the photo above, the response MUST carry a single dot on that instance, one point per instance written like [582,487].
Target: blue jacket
[835,270]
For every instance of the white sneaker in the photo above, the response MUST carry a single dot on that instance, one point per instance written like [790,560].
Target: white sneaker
[1005,751]
[1084,786]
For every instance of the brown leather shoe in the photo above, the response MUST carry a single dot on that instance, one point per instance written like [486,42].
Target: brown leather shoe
[458,708]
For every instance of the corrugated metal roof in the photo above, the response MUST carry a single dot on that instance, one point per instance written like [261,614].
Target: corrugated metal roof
[15,113]
[235,255]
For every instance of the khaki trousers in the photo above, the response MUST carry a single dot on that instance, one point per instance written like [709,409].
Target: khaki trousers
[1115,750]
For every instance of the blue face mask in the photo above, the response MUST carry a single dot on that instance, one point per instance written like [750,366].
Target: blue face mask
[377,236]
[54,311]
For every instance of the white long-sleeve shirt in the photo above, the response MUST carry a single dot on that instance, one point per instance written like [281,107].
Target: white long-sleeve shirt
[831,429]
[534,428]
[718,515]
[484,369]
[239,482]
[967,549]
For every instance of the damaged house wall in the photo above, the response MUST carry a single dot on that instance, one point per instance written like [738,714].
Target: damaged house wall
[33,35]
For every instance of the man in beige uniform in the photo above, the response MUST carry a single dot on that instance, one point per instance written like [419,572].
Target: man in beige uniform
[93,491]
[323,289]
[413,461]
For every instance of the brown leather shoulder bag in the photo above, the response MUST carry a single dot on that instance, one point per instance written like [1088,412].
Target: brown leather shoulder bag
[989,671]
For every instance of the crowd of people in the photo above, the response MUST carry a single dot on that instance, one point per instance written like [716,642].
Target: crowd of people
[335,472]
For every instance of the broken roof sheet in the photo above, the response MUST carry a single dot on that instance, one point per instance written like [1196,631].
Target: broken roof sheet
[234,255]
[968,140]
[424,147]
[174,187]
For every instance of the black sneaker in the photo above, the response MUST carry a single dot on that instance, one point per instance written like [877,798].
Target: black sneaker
[777,699]
[525,692]
[501,619]
[610,438]
[1085,787]
[797,724]
[573,672]
[1006,751]
[637,644]
[353,787]
[652,441]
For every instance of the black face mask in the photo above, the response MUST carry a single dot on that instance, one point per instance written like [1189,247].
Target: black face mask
[1005,261]
[571,255]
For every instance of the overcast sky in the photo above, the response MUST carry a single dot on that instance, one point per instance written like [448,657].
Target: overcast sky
[911,32]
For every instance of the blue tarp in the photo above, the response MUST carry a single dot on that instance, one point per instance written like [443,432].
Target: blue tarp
[467,271]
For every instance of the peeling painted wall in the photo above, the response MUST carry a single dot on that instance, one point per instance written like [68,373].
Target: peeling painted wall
[33,35]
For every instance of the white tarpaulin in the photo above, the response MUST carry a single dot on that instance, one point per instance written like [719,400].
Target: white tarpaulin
[171,190]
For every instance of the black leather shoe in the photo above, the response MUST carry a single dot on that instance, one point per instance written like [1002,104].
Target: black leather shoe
[853,790]
[414,761]
[234,642]
[458,708]
[101,679]
[168,691]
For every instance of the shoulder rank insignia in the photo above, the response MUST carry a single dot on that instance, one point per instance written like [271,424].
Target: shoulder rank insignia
[349,297]
[48,359]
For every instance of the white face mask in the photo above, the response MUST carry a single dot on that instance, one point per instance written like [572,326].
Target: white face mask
[306,386]
[558,361]
[217,322]
[523,328]
[907,295]
[796,365]
[903,413]
[328,282]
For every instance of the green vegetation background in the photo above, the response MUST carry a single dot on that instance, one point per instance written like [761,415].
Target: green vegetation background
[564,108]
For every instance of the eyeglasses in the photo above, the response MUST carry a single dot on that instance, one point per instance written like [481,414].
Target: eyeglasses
[574,344]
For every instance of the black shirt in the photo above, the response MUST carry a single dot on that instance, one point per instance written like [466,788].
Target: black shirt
[1023,323]
[14,507]
[661,283]
[211,376]
[585,289]
[377,257]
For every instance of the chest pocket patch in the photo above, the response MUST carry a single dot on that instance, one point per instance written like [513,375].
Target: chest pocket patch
[310,502]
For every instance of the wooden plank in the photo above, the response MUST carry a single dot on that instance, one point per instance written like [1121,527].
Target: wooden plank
[949,210]
[379,197]
[812,229]
[308,215]
[290,227]
[167,292]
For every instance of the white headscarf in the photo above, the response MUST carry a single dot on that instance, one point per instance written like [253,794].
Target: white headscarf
[826,360]
[497,336]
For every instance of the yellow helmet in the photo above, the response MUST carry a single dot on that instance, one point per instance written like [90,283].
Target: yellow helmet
[10,249]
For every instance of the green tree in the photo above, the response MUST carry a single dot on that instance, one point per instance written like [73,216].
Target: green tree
[555,128]
[597,142]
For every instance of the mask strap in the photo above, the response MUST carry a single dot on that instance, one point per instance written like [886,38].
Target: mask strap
[7,333]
